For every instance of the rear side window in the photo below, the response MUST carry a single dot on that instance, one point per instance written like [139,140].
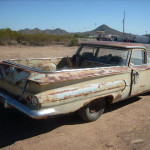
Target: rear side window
[137,57]
[88,53]
[105,56]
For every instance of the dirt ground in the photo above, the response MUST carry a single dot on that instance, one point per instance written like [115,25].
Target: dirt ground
[123,126]
[7,52]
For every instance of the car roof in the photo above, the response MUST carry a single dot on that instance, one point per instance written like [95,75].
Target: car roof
[114,44]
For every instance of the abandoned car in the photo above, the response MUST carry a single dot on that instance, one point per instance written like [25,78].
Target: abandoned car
[98,73]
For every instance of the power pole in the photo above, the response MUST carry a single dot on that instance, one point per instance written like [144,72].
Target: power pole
[124,26]
[146,32]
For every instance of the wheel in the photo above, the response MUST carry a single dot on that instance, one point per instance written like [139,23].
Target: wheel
[93,110]
[98,38]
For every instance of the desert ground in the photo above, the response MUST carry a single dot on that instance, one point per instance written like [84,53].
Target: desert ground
[123,126]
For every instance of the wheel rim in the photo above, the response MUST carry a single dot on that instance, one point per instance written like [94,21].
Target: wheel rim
[95,107]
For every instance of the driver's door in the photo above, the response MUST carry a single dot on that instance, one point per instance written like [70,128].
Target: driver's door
[140,72]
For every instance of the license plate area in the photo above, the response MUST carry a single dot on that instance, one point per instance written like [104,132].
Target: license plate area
[2,99]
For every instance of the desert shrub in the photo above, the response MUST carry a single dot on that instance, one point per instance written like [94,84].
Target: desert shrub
[9,37]
[80,35]
[74,42]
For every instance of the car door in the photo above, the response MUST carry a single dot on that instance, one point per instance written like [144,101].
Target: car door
[140,72]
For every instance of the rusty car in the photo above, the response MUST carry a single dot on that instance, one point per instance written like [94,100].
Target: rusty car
[99,73]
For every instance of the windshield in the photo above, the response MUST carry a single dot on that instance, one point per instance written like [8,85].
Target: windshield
[107,56]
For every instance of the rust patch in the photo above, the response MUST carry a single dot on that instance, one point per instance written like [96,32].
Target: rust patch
[114,44]
[118,97]
[142,86]
[64,95]
[45,78]
[142,67]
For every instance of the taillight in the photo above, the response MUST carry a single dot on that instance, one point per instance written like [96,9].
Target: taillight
[32,101]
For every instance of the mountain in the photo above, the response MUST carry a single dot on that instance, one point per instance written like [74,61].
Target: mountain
[59,31]
[106,29]
[47,31]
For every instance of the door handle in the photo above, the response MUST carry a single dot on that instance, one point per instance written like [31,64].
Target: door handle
[135,75]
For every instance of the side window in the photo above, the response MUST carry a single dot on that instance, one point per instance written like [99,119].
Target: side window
[137,57]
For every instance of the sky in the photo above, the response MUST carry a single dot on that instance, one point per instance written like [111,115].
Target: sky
[76,15]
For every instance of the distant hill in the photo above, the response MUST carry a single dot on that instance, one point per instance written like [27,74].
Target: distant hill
[47,31]
[59,31]
[105,28]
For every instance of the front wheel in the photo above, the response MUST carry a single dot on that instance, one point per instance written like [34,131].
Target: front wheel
[93,110]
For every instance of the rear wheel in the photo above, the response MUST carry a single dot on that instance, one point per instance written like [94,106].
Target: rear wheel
[93,110]
[97,38]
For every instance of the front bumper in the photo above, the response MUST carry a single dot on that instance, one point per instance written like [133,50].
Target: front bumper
[36,114]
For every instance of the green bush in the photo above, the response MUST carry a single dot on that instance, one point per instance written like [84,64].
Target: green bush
[74,42]
[80,35]
[9,37]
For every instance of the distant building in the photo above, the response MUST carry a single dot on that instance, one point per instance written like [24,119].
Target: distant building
[134,38]
[141,39]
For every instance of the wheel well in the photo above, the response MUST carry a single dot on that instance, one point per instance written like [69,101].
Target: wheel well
[108,99]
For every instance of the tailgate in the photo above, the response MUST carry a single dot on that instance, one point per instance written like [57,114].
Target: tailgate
[13,74]
[13,79]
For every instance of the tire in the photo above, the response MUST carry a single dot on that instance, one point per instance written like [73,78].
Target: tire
[98,38]
[93,110]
